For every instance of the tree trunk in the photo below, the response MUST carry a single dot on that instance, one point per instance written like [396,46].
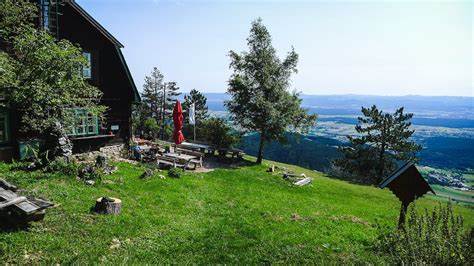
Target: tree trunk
[381,169]
[111,206]
[260,148]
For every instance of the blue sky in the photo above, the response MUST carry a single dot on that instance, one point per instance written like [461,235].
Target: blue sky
[345,47]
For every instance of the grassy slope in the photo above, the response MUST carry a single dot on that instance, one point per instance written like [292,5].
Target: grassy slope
[240,215]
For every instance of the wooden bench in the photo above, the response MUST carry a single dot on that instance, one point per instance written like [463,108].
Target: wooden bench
[168,161]
[234,153]
[196,161]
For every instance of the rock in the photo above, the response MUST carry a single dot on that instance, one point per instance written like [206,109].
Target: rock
[90,182]
[147,173]
[162,177]
[86,170]
[101,161]
[57,142]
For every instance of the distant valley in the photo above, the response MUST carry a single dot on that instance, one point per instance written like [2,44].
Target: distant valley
[444,126]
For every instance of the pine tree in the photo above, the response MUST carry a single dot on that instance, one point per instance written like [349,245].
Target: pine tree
[384,140]
[151,105]
[201,113]
[259,87]
[201,110]
[153,102]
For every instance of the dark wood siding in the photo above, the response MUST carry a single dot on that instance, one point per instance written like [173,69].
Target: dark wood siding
[109,74]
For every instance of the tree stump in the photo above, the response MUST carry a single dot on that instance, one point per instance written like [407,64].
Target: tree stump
[106,205]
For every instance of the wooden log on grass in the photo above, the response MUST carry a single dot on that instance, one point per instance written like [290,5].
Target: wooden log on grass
[106,205]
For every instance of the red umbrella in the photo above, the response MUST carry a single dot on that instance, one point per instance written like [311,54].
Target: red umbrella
[178,123]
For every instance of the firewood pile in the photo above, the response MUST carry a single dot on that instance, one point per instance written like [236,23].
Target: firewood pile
[19,210]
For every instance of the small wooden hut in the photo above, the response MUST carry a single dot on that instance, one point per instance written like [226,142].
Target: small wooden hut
[407,184]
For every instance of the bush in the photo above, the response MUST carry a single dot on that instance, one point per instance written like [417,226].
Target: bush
[217,132]
[437,238]
[62,165]
[176,172]
[90,172]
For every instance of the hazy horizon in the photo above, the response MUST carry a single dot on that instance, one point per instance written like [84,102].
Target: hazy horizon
[386,48]
[353,94]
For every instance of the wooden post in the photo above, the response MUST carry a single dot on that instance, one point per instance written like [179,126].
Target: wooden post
[403,212]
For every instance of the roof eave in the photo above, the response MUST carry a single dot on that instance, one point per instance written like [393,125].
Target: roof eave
[136,95]
[94,22]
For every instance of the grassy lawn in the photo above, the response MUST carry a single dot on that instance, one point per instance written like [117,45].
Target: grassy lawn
[242,216]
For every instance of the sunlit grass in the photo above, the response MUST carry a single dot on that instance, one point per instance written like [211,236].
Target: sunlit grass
[243,216]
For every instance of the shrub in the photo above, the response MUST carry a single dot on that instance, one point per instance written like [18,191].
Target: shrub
[175,172]
[217,132]
[90,172]
[437,238]
[62,165]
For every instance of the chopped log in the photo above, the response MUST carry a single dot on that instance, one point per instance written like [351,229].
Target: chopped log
[106,205]
[271,169]
[303,181]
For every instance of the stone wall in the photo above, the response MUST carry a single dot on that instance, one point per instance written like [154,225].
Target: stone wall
[114,151]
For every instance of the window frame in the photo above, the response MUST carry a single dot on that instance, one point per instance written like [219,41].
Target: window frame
[88,56]
[84,116]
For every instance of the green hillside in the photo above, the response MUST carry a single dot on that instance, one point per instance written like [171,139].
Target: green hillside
[236,215]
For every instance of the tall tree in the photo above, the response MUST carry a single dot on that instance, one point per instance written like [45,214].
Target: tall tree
[200,105]
[259,88]
[46,78]
[151,105]
[154,104]
[384,140]
[201,112]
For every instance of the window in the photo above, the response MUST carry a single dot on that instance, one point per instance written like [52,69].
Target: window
[85,123]
[4,127]
[87,70]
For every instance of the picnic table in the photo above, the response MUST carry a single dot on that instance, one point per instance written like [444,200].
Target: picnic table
[146,152]
[234,153]
[183,159]
[201,147]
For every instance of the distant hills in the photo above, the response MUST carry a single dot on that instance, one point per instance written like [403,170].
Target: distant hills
[422,106]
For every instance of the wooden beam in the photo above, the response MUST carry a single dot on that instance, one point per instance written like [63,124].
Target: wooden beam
[12,202]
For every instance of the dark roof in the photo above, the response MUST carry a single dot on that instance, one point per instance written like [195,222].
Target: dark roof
[136,95]
[395,174]
[407,183]
[94,23]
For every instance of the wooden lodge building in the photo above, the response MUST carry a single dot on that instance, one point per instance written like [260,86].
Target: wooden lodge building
[108,71]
